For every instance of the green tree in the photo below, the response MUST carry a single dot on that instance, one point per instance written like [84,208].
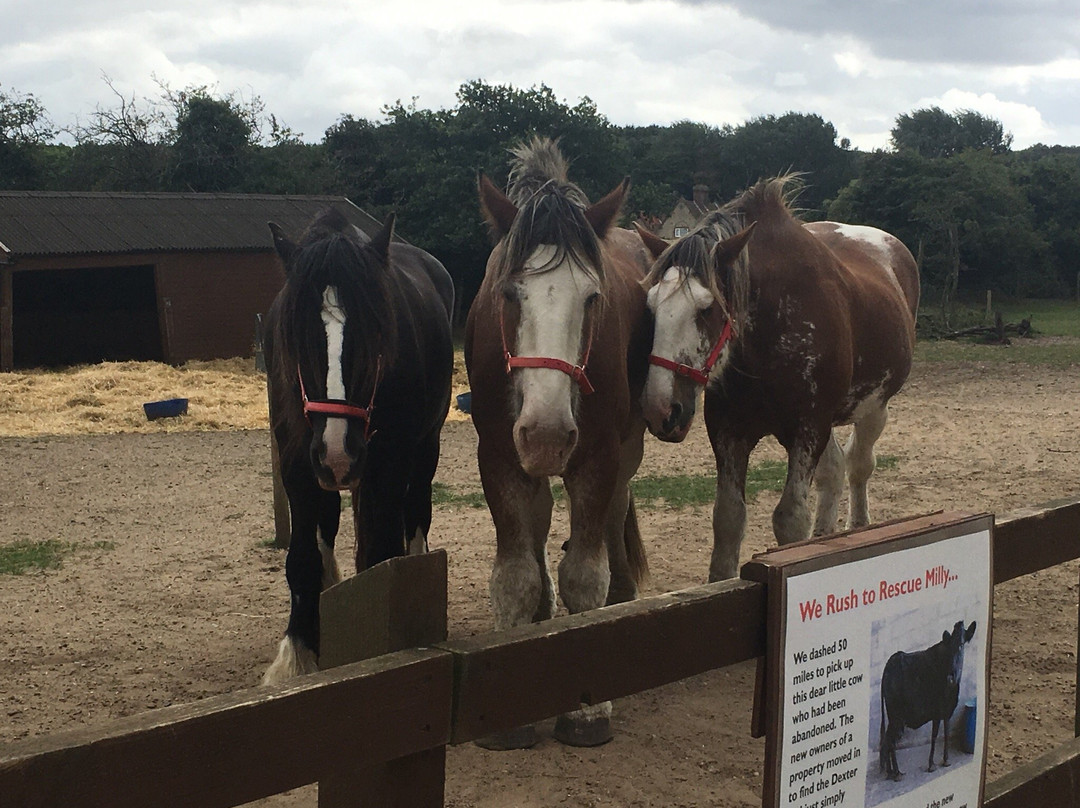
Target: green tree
[769,145]
[25,129]
[212,146]
[934,132]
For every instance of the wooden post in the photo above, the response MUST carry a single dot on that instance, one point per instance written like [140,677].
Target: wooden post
[1076,712]
[395,605]
[7,319]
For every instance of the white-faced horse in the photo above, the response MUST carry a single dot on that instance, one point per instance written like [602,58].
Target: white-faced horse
[556,346]
[792,329]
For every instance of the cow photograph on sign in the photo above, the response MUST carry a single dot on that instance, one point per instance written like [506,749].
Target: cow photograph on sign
[922,703]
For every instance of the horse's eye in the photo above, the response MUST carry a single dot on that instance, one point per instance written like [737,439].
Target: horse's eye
[510,293]
[591,299]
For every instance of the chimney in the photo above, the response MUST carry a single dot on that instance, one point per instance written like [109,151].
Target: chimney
[701,195]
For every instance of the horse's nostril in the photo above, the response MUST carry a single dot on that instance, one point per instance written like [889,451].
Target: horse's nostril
[676,411]
[571,439]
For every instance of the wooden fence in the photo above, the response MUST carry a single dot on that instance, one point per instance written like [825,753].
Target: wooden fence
[393,715]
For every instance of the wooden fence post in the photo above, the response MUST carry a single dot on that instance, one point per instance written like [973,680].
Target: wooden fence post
[395,605]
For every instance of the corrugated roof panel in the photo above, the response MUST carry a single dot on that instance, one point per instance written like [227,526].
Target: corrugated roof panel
[42,223]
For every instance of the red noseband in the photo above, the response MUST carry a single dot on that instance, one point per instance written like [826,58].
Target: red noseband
[336,408]
[575,372]
[701,376]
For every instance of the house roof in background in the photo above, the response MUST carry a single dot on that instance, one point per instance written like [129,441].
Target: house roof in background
[37,223]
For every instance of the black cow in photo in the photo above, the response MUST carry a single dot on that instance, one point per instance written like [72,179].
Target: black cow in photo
[919,687]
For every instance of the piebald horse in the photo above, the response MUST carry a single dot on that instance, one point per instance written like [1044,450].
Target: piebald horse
[359,362]
[556,345]
[792,329]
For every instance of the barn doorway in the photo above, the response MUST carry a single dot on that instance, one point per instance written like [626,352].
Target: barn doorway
[67,317]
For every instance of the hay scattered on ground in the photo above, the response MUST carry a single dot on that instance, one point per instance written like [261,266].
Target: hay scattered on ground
[108,398]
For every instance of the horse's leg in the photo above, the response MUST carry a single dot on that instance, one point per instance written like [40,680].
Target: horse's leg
[379,506]
[791,517]
[623,585]
[298,652]
[520,586]
[418,497]
[329,522]
[860,462]
[585,574]
[829,480]
[729,508]
[933,740]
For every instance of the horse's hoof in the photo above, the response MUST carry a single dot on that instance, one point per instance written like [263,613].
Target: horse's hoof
[583,732]
[517,738]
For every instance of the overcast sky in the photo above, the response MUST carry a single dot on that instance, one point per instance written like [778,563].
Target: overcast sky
[857,63]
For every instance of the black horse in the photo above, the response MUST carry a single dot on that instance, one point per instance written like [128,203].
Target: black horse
[359,363]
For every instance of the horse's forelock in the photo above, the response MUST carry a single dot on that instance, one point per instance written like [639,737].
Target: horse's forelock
[331,254]
[553,218]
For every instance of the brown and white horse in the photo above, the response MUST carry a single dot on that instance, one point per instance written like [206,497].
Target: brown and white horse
[556,345]
[792,329]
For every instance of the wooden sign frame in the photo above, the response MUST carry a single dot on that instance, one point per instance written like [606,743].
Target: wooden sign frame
[827,629]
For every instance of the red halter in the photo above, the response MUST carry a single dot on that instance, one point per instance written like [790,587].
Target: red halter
[575,372]
[700,376]
[336,408]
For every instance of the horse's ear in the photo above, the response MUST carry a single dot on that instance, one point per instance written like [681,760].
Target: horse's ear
[604,213]
[970,632]
[283,244]
[727,251]
[380,242]
[653,243]
[498,210]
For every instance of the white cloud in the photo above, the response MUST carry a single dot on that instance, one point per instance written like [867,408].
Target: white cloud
[654,61]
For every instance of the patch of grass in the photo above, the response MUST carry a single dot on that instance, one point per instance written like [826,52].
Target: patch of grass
[889,462]
[442,494]
[1051,318]
[25,555]
[1020,352]
[1057,319]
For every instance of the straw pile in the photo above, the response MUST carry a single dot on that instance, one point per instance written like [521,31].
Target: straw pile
[107,398]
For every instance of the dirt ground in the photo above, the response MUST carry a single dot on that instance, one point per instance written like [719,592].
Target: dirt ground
[189,602]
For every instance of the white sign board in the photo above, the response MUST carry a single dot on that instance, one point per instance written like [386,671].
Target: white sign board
[881,652]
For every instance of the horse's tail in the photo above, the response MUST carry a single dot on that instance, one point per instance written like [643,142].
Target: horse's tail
[881,735]
[635,550]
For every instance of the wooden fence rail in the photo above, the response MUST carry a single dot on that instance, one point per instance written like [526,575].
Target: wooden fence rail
[239,747]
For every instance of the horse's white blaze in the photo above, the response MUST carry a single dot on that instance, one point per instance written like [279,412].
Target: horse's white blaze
[678,336]
[553,311]
[336,429]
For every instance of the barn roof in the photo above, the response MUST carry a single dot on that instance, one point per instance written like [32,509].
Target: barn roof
[35,223]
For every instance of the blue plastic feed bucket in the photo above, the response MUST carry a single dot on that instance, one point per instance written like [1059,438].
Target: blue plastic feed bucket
[971,715]
[169,408]
[464,401]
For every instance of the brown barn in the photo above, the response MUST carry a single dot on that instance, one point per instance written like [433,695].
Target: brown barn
[91,277]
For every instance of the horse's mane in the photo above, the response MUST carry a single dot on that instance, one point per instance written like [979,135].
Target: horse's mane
[771,197]
[551,211]
[334,253]
[693,252]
